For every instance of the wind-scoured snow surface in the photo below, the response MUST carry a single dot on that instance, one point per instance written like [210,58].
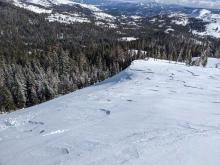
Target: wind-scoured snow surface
[153,113]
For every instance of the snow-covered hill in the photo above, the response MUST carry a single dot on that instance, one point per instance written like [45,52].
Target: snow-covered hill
[201,22]
[67,11]
[154,112]
[115,14]
[213,23]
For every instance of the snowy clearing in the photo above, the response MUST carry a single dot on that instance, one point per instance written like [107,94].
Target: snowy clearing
[128,39]
[169,30]
[179,19]
[153,113]
[67,18]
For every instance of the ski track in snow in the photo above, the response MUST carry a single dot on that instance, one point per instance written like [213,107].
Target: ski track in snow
[153,113]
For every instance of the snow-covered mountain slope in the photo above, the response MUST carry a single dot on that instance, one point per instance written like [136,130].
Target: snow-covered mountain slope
[115,14]
[213,23]
[210,19]
[201,22]
[154,112]
[179,19]
[67,11]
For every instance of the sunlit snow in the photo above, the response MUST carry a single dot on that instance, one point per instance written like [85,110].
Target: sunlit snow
[213,23]
[154,112]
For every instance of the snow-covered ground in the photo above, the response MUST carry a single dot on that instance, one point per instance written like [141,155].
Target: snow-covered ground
[213,63]
[153,113]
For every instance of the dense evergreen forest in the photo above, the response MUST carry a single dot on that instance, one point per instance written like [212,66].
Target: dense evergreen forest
[40,60]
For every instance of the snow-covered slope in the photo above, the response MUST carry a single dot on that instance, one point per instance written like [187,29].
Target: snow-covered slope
[179,19]
[201,22]
[213,63]
[66,11]
[112,14]
[153,113]
[213,23]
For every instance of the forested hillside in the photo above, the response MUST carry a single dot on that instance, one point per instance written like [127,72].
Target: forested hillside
[40,60]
